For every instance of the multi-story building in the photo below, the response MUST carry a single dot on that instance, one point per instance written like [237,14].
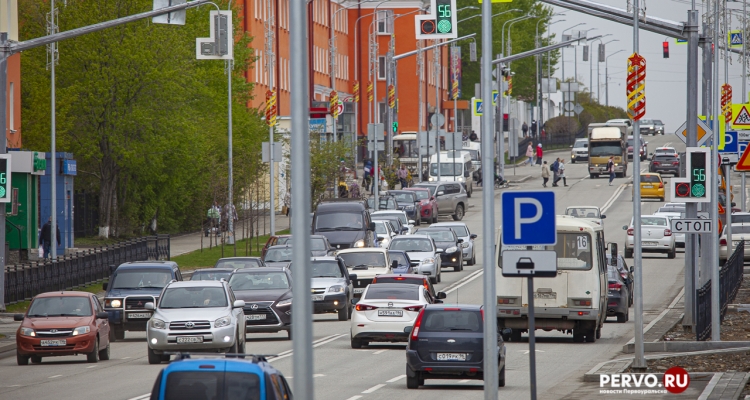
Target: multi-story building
[9,23]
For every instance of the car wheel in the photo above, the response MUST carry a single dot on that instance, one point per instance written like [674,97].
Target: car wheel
[501,378]
[591,335]
[104,353]
[235,347]
[21,359]
[672,253]
[440,275]
[459,215]
[628,253]
[93,357]
[433,280]
[165,358]
[515,335]
[457,268]
[435,217]
[153,358]
[289,334]
[593,176]
[344,313]
[577,336]
[573,161]
[356,343]
[622,318]
[412,382]
[599,332]
[36,359]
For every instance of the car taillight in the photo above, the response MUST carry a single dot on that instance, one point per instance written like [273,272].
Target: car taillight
[656,163]
[722,242]
[630,231]
[413,308]
[364,307]
[661,185]
[676,163]
[667,232]
[615,286]
[482,312]
[417,324]
[426,285]
[398,278]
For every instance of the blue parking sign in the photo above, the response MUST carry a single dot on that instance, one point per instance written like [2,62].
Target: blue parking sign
[528,218]
[730,142]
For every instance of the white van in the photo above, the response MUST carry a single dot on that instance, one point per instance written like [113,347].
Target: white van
[475,151]
[455,166]
[575,301]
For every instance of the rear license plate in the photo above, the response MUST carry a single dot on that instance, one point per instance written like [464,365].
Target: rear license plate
[359,290]
[648,186]
[134,315]
[255,317]
[546,295]
[650,244]
[451,356]
[318,297]
[189,339]
[390,313]
[54,343]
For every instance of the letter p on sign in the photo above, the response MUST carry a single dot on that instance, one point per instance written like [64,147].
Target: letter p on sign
[528,218]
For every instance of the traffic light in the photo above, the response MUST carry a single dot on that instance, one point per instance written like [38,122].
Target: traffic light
[665,48]
[695,187]
[395,126]
[5,187]
[440,23]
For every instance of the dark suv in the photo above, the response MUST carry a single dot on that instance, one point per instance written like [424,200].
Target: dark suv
[346,223]
[130,287]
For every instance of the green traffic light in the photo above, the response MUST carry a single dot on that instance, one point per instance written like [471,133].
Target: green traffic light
[395,127]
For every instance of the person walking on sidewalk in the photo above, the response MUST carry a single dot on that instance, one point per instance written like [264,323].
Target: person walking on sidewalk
[545,174]
[553,168]
[561,173]
[530,154]
[539,154]
[45,238]
[611,169]
[525,128]
[402,175]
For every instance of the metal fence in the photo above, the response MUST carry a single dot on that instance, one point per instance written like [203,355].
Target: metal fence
[24,281]
[731,276]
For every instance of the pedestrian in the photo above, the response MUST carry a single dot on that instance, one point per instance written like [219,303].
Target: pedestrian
[402,175]
[530,154]
[553,168]
[367,174]
[611,169]
[525,128]
[473,137]
[380,177]
[545,174]
[533,128]
[288,202]
[45,238]
[561,172]
[539,154]
[214,216]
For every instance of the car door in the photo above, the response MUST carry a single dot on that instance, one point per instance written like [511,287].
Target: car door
[443,200]
[102,324]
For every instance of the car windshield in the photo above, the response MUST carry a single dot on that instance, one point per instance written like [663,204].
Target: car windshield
[671,210]
[365,258]
[650,179]
[403,292]
[326,269]
[380,228]
[210,275]
[581,144]
[411,245]
[605,149]
[384,203]
[209,384]
[613,275]
[459,230]
[738,229]
[422,195]
[431,188]
[193,297]
[665,151]
[646,122]
[259,281]
[740,218]
[65,306]
[239,263]
[658,122]
[583,212]
[664,157]
[474,154]
[279,255]
[573,251]
[447,169]
[136,279]
[399,257]
[438,236]
[400,215]
[451,321]
[283,240]
[340,221]
[406,197]
[652,221]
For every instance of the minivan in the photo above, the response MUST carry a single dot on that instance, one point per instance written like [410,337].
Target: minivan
[346,223]
[455,166]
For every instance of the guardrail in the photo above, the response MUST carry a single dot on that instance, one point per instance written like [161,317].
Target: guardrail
[731,276]
[24,281]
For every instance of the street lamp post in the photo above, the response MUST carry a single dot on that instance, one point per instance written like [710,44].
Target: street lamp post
[591,65]
[538,63]
[549,63]
[562,50]
[509,52]
[598,86]
[499,116]
[575,61]
[606,75]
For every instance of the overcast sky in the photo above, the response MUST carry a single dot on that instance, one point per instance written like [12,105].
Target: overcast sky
[665,77]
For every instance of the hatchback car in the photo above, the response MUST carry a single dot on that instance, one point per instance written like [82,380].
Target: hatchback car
[665,163]
[62,324]
[427,204]
[580,151]
[274,240]
[405,221]
[656,236]
[239,262]
[423,254]
[211,274]
[195,316]
[625,272]
[267,293]
[412,279]
[462,231]
[652,186]
[384,311]
[403,262]
[394,221]
[643,148]
[366,263]
[278,256]
[447,342]
[332,289]
[740,232]
[408,202]
[449,247]
[385,202]
[384,231]
[618,296]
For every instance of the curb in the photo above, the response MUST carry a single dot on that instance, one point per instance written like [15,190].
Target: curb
[521,179]
[687,346]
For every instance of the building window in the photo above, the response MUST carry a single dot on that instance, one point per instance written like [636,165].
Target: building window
[382,109]
[257,15]
[11,108]
[384,21]
[381,68]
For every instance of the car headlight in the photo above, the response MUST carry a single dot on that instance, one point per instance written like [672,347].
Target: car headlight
[156,323]
[336,289]
[359,243]
[284,303]
[113,303]
[452,249]
[409,207]
[385,242]
[428,261]
[223,321]
[431,179]
[81,330]
[465,245]
[28,332]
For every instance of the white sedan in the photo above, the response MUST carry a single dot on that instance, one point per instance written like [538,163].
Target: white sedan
[383,312]
[656,236]
[740,232]
[405,221]
[385,233]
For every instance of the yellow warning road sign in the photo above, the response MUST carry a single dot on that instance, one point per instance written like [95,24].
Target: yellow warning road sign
[741,116]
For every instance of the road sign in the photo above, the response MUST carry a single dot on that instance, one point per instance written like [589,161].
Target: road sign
[744,163]
[578,108]
[529,263]
[731,147]
[173,18]
[317,125]
[476,107]
[219,45]
[741,116]
[437,119]
[528,218]
[494,97]
[735,38]
[454,141]
[704,133]
[695,187]
[691,226]
[440,23]
[681,41]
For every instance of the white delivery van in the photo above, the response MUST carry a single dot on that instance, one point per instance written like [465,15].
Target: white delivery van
[575,301]
[474,149]
[455,166]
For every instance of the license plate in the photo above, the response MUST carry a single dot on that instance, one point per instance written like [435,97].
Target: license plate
[650,244]
[545,295]
[54,343]
[189,339]
[255,317]
[451,356]
[139,315]
[359,290]
[648,186]
[318,297]
[390,313]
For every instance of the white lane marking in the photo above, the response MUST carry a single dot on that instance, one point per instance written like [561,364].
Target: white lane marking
[464,381]
[354,397]
[317,344]
[374,388]
[380,351]
[613,198]
[141,397]
[125,358]
[92,366]
[711,385]
[54,376]
[465,281]
[396,379]
[318,375]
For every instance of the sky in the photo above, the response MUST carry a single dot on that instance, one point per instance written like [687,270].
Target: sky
[666,84]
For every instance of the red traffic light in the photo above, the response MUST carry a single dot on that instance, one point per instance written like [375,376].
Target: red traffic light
[665,47]
[428,26]
[682,189]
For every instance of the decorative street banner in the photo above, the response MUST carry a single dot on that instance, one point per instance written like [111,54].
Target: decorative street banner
[726,102]
[271,108]
[456,72]
[356,91]
[636,87]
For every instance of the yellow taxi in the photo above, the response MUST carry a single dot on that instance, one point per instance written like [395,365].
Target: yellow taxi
[652,186]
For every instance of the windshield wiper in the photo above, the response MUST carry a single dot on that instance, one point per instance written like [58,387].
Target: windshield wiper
[326,276]
[460,329]
[152,286]
[127,288]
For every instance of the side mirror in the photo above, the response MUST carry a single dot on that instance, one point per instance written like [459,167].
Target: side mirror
[466,174]
[438,302]
[18,317]
[372,226]
[412,222]
[440,193]
[355,300]
[394,264]
[380,239]
[407,329]
[352,277]
[460,241]
[438,250]
[624,227]
[432,198]
[404,229]
[603,216]
[238,304]
[441,295]
[102,315]
[104,286]
[331,252]
[473,236]
[149,306]
[631,269]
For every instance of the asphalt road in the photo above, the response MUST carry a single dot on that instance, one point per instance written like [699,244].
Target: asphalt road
[377,372]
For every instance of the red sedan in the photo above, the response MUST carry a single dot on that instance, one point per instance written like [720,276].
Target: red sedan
[428,206]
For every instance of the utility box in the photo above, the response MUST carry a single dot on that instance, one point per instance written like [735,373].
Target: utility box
[22,213]
[66,172]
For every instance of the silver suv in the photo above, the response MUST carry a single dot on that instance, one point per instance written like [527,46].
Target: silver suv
[195,315]
[451,198]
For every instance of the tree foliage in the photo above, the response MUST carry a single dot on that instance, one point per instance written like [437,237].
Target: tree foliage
[146,121]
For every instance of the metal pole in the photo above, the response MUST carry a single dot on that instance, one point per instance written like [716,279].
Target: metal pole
[53,150]
[532,339]
[639,362]
[454,74]
[743,207]
[606,86]
[269,36]
[420,76]
[4,54]
[302,351]
[691,210]
[488,214]
[715,276]
[230,212]
[500,118]
[436,57]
